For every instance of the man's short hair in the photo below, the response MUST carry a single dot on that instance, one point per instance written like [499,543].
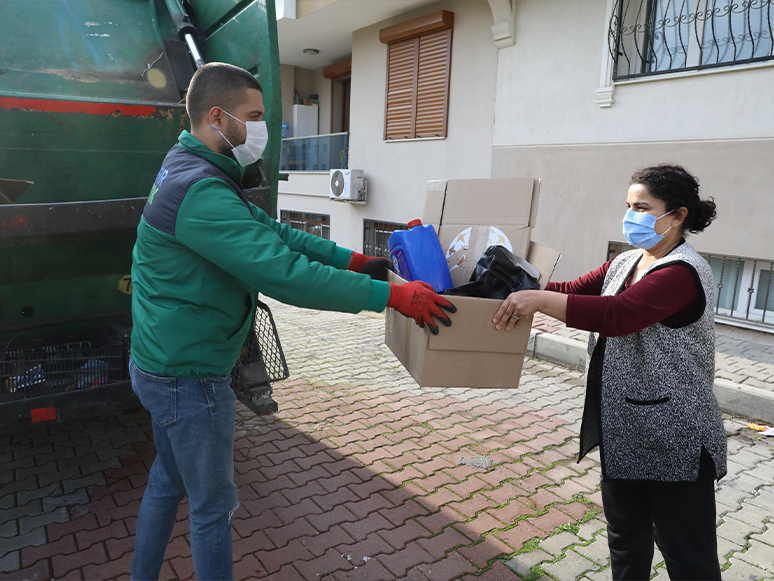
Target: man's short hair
[217,85]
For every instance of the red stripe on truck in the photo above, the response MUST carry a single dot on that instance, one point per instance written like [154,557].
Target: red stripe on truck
[58,106]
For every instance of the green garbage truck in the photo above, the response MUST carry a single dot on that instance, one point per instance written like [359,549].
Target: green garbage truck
[91,98]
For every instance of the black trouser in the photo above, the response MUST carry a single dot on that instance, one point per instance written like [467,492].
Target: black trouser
[683,515]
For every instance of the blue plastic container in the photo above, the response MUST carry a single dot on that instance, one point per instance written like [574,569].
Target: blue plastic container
[417,255]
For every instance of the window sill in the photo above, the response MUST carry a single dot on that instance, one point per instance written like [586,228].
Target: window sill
[300,172]
[414,139]
[694,73]
[745,324]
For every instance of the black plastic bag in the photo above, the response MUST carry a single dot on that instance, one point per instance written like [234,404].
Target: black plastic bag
[498,273]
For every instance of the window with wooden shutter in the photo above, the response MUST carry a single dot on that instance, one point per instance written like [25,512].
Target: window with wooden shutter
[418,67]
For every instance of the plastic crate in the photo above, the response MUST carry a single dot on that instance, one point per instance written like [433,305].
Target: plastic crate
[262,347]
[33,367]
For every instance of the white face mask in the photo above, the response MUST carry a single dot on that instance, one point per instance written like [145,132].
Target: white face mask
[257,138]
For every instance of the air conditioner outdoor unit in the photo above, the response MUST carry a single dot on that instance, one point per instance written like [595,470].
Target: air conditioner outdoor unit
[348,185]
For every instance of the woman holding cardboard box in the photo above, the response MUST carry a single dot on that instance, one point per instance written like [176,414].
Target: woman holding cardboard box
[649,401]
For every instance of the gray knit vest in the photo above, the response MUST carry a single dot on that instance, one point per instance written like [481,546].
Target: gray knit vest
[656,405]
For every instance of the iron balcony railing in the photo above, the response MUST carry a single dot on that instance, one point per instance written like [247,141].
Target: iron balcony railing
[744,288]
[650,37]
[315,153]
[376,234]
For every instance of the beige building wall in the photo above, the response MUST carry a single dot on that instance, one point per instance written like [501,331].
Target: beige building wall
[719,125]
[398,171]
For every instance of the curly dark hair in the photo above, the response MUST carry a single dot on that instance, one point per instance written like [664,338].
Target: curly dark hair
[677,188]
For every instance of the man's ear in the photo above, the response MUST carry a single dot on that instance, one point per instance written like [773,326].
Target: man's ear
[216,117]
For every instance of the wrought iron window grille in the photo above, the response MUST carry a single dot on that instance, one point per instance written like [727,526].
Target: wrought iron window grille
[376,234]
[316,224]
[744,288]
[651,37]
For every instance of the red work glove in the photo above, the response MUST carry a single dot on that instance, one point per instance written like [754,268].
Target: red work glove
[374,267]
[418,301]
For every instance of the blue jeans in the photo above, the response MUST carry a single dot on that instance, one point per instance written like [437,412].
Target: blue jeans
[193,429]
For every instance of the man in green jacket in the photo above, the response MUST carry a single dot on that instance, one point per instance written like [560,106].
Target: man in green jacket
[203,254]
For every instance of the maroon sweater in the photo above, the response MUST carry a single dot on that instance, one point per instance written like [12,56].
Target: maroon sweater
[669,295]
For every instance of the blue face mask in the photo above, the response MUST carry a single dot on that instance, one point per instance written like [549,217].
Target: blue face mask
[639,229]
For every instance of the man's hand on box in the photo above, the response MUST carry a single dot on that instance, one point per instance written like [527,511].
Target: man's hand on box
[374,267]
[519,305]
[419,301]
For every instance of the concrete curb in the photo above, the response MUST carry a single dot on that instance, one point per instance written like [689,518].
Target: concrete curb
[735,398]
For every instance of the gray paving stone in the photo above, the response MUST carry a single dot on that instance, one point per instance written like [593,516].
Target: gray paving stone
[9,529]
[589,529]
[753,515]
[77,497]
[758,554]
[727,548]
[104,455]
[44,468]
[10,563]
[32,508]
[108,464]
[66,463]
[763,499]
[522,563]
[742,571]
[762,471]
[17,485]
[29,523]
[746,457]
[731,496]
[7,501]
[26,496]
[58,455]
[31,539]
[73,484]
[603,575]
[736,531]
[597,551]
[571,566]
[732,427]
[26,462]
[51,477]
[556,544]
[721,510]
[746,483]
[767,536]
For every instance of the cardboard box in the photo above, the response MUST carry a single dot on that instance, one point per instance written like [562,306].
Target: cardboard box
[469,216]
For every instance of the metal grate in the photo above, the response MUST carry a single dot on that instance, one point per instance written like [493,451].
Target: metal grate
[263,346]
[376,234]
[316,224]
[735,277]
[649,37]
[33,367]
